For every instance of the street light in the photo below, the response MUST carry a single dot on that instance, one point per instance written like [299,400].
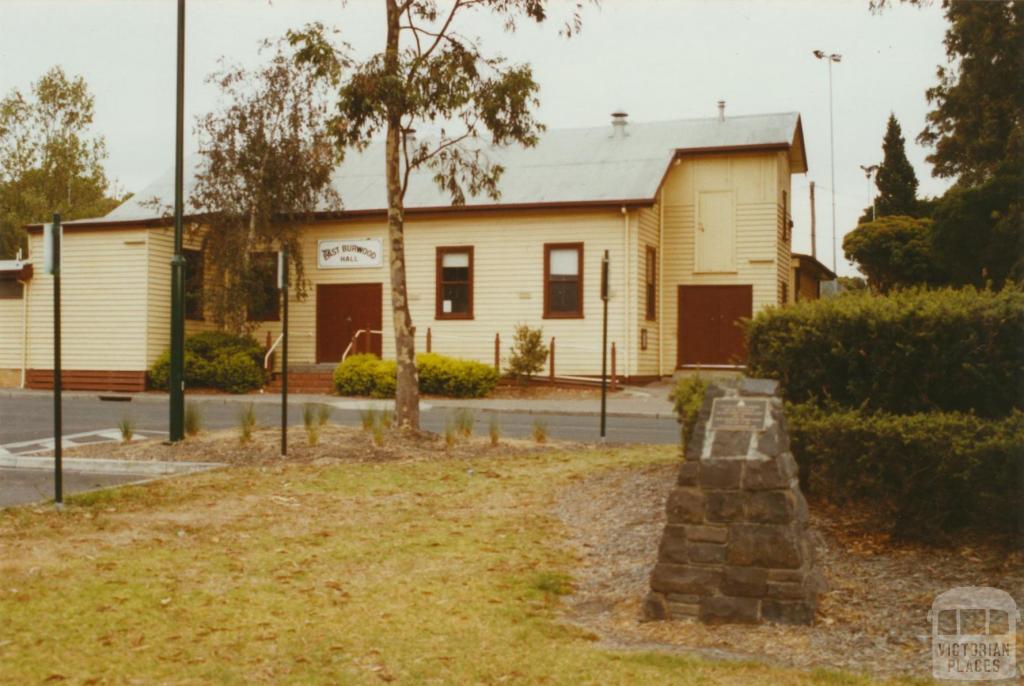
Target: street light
[830,58]
[177,375]
[869,171]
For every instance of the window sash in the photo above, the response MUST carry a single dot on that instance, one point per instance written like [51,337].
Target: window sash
[454,283]
[194,277]
[563,280]
[651,279]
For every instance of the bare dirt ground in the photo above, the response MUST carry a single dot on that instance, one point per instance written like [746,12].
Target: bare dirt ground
[334,443]
[872,619]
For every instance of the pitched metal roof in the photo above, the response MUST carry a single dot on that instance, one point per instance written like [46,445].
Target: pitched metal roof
[567,166]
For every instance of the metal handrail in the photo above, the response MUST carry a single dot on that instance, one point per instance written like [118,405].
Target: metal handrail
[266,358]
[354,339]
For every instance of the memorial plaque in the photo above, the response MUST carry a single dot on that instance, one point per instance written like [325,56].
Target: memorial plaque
[738,414]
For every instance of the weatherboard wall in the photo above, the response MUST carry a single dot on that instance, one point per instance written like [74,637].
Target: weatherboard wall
[103,301]
[755,182]
[508,254]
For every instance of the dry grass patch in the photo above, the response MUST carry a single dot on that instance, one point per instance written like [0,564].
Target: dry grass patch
[418,571]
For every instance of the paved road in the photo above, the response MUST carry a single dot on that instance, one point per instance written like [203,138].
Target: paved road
[30,418]
[21,486]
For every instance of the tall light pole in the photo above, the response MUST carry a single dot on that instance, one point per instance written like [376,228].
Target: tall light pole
[830,58]
[869,171]
[177,376]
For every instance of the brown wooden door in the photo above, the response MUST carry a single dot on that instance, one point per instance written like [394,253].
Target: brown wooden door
[341,311]
[709,333]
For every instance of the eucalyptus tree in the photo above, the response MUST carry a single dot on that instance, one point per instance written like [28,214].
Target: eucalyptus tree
[50,160]
[430,73]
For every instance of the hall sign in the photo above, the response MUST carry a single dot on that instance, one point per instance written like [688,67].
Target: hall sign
[348,253]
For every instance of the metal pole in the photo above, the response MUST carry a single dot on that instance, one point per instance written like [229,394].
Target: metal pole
[832,155]
[284,351]
[604,345]
[58,437]
[814,239]
[177,376]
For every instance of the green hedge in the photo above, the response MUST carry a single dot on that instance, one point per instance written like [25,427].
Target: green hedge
[366,374]
[925,474]
[441,375]
[911,351]
[215,359]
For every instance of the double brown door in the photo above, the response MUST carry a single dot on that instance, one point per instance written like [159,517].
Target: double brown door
[343,310]
[709,324]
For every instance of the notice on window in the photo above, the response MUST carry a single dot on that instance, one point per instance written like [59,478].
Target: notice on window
[349,253]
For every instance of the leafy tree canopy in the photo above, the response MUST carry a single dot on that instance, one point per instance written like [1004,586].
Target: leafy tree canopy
[428,74]
[895,179]
[266,164]
[976,125]
[979,231]
[894,251]
[49,159]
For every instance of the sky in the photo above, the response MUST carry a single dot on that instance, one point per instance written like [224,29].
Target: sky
[657,59]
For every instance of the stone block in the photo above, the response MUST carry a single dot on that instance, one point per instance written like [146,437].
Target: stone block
[763,545]
[686,506]
[654,607]
[688,473]
[684,598]
[705,553]
[734,444]
[786,590]
[745,581]
[724,506]
[788,466]
[787,611]
[672,578]
[773,441]
[720,474]
[758,387]
[706,533]
[683,610]
[786,574]
[771,507]
[763,475]
[726,610]
[673,546]
[800,513]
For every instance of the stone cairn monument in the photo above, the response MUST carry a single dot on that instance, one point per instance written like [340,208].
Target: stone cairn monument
[736,546]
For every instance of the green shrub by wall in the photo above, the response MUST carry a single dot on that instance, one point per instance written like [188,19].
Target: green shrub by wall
[687,398]
[213,359]
[454,377]
[367,374]
[236,373]
[926,474]
[910,351]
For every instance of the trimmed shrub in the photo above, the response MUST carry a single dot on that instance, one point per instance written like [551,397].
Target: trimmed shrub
[206,364]
[529,354]
[236,373]
[366,374]
[911,351]
[687,398]
[925,474]
[451,376]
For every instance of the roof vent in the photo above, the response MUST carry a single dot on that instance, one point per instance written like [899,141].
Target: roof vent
[721,110]
[619,123]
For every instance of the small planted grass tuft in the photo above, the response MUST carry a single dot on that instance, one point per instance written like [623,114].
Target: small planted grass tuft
[552,583]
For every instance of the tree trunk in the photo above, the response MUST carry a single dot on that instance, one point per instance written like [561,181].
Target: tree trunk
[407,395]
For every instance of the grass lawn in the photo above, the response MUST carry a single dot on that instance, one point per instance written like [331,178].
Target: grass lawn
[426,571]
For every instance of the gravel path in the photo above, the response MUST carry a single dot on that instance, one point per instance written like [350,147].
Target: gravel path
[872,619]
